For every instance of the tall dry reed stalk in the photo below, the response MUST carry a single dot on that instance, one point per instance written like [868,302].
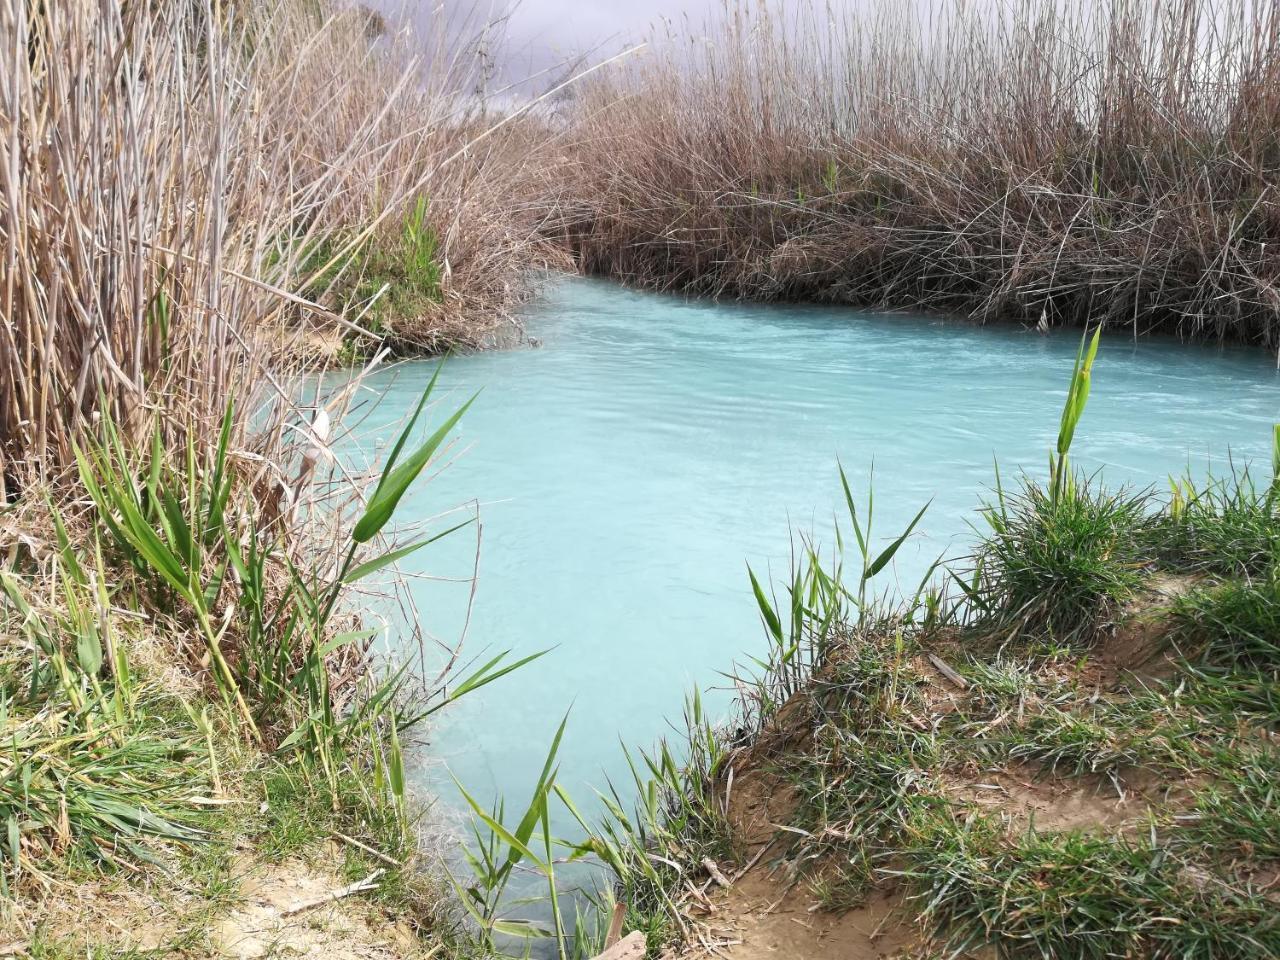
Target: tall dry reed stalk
[168,172]
[193,195]
[1028,161]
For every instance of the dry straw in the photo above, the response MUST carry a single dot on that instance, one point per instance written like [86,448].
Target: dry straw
[1029,161]
[167,173]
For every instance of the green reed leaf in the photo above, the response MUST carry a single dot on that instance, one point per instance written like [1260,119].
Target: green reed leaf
[395,482]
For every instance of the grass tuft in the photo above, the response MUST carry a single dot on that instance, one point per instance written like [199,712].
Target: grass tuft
[1232,624]
[1062,566]
[1223,526]
[1235,821]
[1079,896]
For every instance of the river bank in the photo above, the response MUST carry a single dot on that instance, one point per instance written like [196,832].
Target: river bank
[1046,164]
[629,570]
[1063,746]
[201,751]
[205,755]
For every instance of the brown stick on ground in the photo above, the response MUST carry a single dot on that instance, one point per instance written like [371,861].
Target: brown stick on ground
[630,947]
[946,670]
[359,886]
[615,925]
[352,841]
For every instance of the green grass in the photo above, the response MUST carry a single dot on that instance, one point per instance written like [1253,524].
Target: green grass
[865,763]
[1151,732]
[103,770]
[300,813]
[75,783]
[209,558]
[1225,526]
[1060,567]
[391,278]
[1057,561]
[90,767]
[1235,820]
[98,801]
[1235,623]
[1247,696]
[1072,895]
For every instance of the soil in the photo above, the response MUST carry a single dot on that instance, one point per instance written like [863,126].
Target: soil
[1028,799]
[766,913]
[129,917]
[1139,644]
[758,919]
[262,920]
[267,922]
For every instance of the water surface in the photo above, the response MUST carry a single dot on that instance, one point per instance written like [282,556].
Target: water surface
[629,468]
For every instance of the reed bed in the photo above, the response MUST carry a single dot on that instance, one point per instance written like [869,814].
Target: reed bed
[200,205]
[192,193]
[1038,162]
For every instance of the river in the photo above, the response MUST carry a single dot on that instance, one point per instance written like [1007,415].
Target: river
[629,468]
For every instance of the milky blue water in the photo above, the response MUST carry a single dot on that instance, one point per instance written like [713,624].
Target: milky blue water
[630,468]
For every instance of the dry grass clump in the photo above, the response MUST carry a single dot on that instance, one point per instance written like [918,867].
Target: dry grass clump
[1069,162]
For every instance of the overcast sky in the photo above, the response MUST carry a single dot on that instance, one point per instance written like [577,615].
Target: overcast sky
[580,23]
[543,33]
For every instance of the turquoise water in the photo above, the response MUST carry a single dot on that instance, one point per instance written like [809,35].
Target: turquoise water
[628,469]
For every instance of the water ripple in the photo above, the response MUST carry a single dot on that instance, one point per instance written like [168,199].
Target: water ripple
[652,447]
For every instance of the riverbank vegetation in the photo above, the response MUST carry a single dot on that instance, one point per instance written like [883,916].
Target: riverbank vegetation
[1052,163]
[1061,746]
[192,197]
[200,754]
[203,204]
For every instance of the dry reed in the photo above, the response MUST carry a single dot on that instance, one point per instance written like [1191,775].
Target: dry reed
[1032,161]
[168,173]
